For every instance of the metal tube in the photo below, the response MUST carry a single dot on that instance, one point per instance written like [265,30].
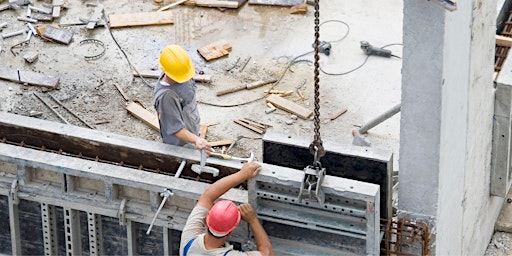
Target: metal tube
[180,169]
[27,19]
[41,10]
[53,110]
[166,194]
[69,110]
[15,33]
[380,119]
[3,24]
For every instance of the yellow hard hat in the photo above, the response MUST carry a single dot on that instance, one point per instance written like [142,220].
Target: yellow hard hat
[176,64]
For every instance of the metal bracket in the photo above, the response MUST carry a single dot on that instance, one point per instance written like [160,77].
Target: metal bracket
[121,214]
[166,194]
[310,189]
[13,193]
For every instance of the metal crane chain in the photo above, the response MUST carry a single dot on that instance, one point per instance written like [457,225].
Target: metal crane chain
[316,148]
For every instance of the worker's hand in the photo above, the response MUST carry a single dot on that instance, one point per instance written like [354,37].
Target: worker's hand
[202,144]
[250,170]
[247,213]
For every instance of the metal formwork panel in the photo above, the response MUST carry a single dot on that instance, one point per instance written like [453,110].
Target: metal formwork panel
[349,213]
[347,161]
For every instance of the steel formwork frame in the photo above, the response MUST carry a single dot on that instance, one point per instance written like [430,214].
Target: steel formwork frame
[91,176]
[30,163]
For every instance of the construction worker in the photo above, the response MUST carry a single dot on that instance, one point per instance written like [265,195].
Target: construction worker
[175,100]
[220,219]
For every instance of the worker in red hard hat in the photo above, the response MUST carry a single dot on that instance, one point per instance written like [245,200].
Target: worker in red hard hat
[210,225]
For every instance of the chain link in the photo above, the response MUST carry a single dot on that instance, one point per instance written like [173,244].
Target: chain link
[316,148]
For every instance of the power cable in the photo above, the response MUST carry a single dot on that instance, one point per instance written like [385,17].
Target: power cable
[107,25]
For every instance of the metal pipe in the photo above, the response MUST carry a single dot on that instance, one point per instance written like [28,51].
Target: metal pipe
[380,119]
[41,10]
[53,110]
[180,169]
[15,33]
[27,19]
[71,112]
[166,194]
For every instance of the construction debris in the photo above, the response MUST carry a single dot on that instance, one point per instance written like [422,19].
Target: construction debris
[140,19]
[338,114]
[289,106]
[144,115]
[11,34]
[215,3]
[28,77]
[270,108]
[246,86]
[149,73]
[215,50]
[31,56]
[299,9]
[277,2]
[253,125]
[54,34]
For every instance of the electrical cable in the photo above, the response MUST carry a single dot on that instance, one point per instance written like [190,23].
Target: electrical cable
[291,63]
[107,25]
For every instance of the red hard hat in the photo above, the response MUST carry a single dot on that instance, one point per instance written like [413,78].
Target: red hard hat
[223,218]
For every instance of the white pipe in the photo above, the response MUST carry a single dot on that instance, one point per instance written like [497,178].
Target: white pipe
[180,169]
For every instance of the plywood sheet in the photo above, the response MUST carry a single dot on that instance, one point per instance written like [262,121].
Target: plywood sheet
[277,2]
[289,106]
[28,77]
[144,115]
[215,50]
[140,19]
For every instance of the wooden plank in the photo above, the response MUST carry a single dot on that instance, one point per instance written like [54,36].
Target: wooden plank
[221,143]
[149,73]
[215,3]
[215,50]
[125,97]
[289,106]
[140,19]
[338,114]
[299,9]
[277,2]
[503,41]
[250,127]
[144,115]
[28,77]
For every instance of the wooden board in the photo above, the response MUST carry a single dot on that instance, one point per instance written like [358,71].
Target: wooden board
[221,4]
[221,143]
[28,77]
[144,115]
[277,2]
[140,19]
[503,41]
[215,50]
[289,106]
[149,73]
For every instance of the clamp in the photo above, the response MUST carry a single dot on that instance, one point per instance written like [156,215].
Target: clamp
[310,189]
[96,42]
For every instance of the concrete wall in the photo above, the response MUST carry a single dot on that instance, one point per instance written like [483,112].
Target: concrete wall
[446,125]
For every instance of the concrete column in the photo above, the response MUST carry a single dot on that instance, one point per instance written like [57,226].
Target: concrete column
[446,122]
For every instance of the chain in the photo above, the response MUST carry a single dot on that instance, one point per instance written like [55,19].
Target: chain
[316,148]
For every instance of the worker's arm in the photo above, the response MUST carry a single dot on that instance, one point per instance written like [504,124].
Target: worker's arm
[186,135]
[217,189]
[260,236]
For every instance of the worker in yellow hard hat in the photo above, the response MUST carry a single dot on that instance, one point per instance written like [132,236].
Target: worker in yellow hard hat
[175,100]
[220,219]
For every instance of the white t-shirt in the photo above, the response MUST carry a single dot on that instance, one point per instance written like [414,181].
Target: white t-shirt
[195,228]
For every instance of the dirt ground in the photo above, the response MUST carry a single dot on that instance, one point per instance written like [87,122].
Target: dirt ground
[265,39]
